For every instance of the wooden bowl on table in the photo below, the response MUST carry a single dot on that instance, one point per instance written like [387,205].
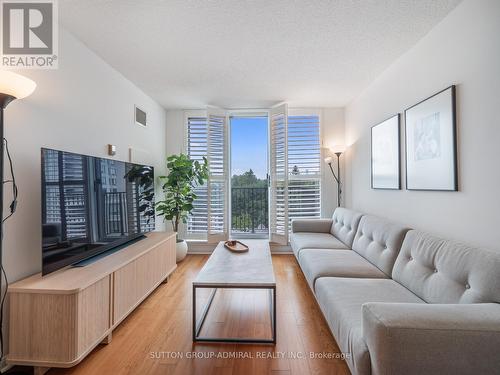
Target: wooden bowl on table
[235,246]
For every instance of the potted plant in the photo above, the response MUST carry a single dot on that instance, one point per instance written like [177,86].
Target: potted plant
[184,175]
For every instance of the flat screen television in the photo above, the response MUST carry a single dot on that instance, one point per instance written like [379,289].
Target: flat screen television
[91,205]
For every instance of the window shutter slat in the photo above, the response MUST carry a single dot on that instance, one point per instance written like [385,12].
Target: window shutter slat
[197,149]
[304,166]
[278,207]
[217,182]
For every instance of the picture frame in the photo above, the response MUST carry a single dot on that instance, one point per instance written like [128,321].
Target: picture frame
[431,143]
[386,154]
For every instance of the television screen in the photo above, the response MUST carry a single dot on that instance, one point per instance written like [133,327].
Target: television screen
[91,205]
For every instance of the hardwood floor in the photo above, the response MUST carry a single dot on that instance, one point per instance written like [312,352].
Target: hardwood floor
[156,338]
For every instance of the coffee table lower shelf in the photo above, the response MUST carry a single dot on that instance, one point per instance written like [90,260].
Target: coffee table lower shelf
[198,324]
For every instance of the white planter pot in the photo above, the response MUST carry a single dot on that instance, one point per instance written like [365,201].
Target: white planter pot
[180,250]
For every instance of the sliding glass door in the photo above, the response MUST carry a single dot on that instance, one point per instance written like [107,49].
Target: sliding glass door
[249,171]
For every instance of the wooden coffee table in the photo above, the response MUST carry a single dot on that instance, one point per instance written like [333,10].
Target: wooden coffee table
[226,269]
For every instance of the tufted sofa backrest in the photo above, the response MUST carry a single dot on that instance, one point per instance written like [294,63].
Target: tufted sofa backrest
[345,224]
[379,241]
[443,271]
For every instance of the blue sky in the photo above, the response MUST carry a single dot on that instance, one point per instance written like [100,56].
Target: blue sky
[249,145]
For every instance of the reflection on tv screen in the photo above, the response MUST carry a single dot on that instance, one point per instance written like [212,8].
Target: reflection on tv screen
[91,204]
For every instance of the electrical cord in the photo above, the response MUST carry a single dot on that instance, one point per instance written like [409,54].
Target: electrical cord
[3,275]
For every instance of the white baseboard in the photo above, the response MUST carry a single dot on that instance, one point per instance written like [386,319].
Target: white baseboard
[4,367]
[281,249]
[200,247]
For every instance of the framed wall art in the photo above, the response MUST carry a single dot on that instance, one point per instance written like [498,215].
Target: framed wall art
[386,154]
[431,143]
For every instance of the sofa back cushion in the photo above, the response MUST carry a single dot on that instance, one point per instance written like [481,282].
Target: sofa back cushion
[345,223]
[379,241]
[443,271]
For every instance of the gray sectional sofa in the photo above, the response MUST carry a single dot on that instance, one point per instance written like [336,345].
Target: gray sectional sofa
[401,301]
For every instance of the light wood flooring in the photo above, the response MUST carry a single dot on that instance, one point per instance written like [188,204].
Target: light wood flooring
[156,338]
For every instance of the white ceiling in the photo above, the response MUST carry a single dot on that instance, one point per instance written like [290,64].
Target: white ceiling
[244,54]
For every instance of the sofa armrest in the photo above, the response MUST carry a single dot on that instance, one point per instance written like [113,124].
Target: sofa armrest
[312,225]
[409,338]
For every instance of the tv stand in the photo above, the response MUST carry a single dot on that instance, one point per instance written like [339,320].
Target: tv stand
[58,319]
[95,258]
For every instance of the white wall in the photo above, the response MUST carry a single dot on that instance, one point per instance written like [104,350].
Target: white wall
[175,131]
[81,107]
[463,50]
[333,134]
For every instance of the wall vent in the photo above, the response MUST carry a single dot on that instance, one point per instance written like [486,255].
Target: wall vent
[140,116]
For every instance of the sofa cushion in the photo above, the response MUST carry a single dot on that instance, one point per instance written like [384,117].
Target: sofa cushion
[341,300]
[432,338]
[345,224]
[379,241]
[443,271]
[305,240]
[316,263]
[312,225]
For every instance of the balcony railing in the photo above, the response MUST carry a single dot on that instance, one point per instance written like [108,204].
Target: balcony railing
[115,218]
[249,210]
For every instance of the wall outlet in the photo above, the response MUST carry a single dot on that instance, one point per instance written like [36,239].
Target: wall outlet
[111,150]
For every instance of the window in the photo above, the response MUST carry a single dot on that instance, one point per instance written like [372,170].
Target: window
[304,166]
[218,177]
[197,132]
[295,171]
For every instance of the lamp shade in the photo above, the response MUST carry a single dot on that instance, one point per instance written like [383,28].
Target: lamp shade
[328,160]
[15,85]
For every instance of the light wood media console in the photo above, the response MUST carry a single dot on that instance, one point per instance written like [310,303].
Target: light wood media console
[58,319]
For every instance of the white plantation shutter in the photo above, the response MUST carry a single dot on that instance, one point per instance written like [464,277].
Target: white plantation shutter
[197,132]
[295,171]
[217,195]
[304,165]
[278,202]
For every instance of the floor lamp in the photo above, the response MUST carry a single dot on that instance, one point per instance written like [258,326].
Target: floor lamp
[12,86]
[338,151]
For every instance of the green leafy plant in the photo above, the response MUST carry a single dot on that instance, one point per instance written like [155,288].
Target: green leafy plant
[143,177]
[184,175]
